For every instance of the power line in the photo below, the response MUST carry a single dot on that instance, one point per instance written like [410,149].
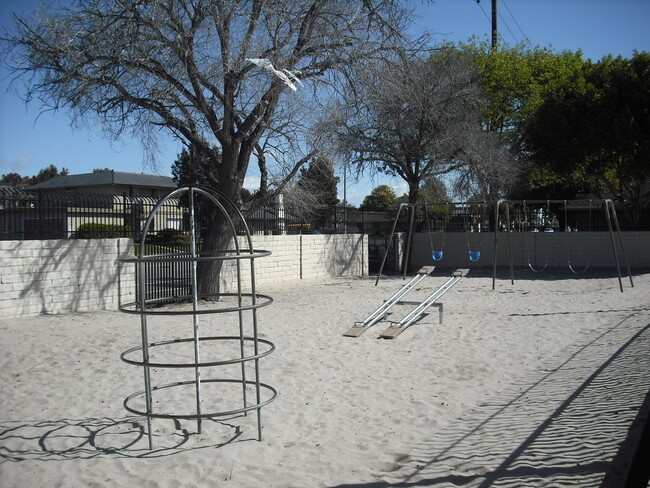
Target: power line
[478,2]
[517,24]
[508,27]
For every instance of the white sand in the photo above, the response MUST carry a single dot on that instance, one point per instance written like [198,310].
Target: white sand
[534,384]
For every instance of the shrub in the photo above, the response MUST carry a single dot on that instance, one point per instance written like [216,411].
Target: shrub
[170,236]
[102,231]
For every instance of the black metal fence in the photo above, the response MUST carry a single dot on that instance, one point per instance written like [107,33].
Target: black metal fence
[525,216]
[29,215]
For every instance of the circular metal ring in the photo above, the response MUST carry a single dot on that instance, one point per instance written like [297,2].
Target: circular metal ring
[132,307]
[223,362]
[187,257]
[257,406]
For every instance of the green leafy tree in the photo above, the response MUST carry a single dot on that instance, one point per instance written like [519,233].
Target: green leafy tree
[600,134]
[381,198]
[17,181]
[193,168]
[516,82]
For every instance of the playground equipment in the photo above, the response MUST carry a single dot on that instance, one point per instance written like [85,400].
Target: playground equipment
[610,215]
[570,226]
[379,314]
[496,241]
[543,218]
[473,254]
[416,314]
[390,240]
[244,349]
[528,228]
[567,228]
[438,252]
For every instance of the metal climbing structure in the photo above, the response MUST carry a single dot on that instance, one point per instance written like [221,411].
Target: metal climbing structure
[198,357]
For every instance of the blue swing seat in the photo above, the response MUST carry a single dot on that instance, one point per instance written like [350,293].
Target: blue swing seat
[436,255]
[474,255]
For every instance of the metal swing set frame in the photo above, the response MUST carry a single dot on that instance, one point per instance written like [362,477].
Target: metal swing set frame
[612,223]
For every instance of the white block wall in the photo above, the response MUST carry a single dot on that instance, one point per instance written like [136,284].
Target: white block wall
[295,257]
[66,276]
[62,276]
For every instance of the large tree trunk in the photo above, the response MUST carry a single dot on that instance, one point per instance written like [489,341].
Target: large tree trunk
[216,239]
[217,233]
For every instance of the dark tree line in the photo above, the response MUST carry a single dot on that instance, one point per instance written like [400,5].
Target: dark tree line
[15,180]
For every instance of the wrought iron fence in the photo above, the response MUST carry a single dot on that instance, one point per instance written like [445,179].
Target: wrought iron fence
[28,215]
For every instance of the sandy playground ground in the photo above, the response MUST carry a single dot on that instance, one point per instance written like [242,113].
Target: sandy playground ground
[533,384]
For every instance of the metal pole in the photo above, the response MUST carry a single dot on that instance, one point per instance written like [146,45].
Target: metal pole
[145,346]
[611,235]
[620,238]
[408,241]
[512,272]
[390,240]
[195,319]
[609,203]
[345,199]
[496,235]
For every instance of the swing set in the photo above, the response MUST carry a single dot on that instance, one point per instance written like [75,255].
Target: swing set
[544,214]
[572,226]
[437,252]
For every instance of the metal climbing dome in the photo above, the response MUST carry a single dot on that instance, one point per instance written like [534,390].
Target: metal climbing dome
[214,362]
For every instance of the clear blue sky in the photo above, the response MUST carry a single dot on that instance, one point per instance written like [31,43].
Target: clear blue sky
[29,142]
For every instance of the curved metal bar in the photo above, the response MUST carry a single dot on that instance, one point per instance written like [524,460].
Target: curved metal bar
[530,265]
[150,311]
[185,257]
[208,415]
[222,362]
[578,272]
[244,302]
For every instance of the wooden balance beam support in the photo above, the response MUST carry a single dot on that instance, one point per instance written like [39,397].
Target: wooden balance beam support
[379,314]
[397,328]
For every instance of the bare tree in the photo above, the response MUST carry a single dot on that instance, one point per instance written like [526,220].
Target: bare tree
[314,196]
[228,78]
[419,118]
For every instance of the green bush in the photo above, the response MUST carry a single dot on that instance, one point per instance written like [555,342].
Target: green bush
[102,231]
[168,236]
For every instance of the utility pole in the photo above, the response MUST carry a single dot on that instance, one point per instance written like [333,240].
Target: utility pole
[494,24]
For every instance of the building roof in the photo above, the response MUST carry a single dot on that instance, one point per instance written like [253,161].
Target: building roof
[104,178]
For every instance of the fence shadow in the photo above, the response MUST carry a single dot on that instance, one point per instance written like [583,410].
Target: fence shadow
[70,439]
[562,430]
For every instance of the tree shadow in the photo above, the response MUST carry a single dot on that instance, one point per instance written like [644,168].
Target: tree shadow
[68,275]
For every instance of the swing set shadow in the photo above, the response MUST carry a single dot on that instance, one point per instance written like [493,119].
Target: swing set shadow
[476,218]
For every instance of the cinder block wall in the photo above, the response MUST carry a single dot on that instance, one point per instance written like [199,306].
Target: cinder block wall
[295,257]
[63,276]
[554,249]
